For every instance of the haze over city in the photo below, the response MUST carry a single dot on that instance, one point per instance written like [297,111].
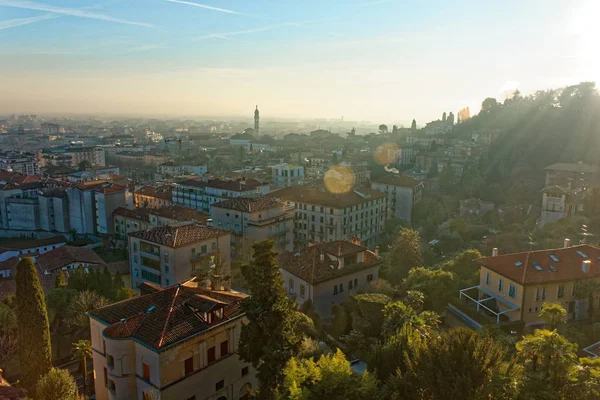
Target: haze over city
[372,60]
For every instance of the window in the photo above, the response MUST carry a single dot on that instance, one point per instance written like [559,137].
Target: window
[487,278]
[291,286]
[369,278]
[146,369]
[105,376]
[220,385]
[135,247]
[224,348]
[350,285]
[512,291]
[499,285]
[203,249]
[561,291]
[335,289]
[341,287]
[355,282]
[189,365]
[110,361]
[211,354]
[540,294]
[166,257]
[302,291]
[244,371]
[214,245]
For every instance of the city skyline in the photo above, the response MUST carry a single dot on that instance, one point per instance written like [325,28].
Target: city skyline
[376,60]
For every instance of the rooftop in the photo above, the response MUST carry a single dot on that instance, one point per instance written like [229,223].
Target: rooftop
[249,204]
[168,316]
[22,244]
[543,266]
[180,213]
[65,255]
[397,180]
[238,185]
[179,235]
[323,197]
[163,192]
[307,264]
[140,214]
[566,167]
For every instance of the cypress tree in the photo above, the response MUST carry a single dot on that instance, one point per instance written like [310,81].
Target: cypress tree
[60,280]
[33,331]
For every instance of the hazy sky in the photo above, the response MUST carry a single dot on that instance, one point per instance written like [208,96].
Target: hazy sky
[381,60]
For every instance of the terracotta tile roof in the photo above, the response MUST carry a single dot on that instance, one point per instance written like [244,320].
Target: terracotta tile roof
[32,244]
[65,255]
[57,170]
[140,214]
[238,185]
[179,235]
[16,177]
[169,315]
[572,168]
[180,213]
[322,197]
[163,192]
[541,266]
[397,180]
[307,264]
[249,204]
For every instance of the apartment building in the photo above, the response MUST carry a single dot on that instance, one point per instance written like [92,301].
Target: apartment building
[284,175]
[72,156]
[180,342]
[328,273]
[169,168]
[514,287]
[253,219]
[323,216]
[18,201]
[405,155]
[572,176]
[402,194]
[154,197]
[202,193]
[22,162]
[91,205]
[169,254]
[50,129]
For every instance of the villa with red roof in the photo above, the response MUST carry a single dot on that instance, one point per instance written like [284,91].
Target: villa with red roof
[514,287]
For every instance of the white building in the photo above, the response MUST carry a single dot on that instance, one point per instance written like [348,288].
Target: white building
[195,169]
[402,193]
[284,175]
[25,163]
[202,193]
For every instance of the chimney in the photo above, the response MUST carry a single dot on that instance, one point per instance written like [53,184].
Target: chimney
[567,243]
[376,251]
[585,266]
[495,252]
[209,222]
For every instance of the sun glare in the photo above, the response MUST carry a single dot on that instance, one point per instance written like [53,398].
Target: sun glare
[584,26]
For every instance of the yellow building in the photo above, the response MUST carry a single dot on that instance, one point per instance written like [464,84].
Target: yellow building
[514,287]
[177,343]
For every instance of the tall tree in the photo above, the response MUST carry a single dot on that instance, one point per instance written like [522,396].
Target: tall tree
[405,254]
[82,350]
[60,280]
[269,339]
[450,119]
[57,384]
[413,125]
[383,129]
[444,117]
[33,330]
[437,285]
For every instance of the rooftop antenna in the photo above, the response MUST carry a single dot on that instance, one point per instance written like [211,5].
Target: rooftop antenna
[531,242]
[584,233]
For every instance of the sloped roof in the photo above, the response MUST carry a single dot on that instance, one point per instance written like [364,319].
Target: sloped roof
[535,267]
[141,214]
[65,255]
[163,192]
[32,244]
[179,235]
[238,185]
[180,213]
[306,263]
[248,204]
[169,315]
[323,197]
[397,180]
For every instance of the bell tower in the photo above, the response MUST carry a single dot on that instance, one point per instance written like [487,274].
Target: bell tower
[256,123]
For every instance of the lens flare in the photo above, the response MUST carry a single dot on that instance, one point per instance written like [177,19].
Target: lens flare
[386,154]
[339,179]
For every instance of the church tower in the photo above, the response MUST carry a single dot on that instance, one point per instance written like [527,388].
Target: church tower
[256,123]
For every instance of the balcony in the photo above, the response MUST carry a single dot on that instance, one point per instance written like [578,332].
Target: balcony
[150,255]
[487,303]
[201,256]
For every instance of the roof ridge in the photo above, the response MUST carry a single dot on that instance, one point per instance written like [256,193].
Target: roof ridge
[526,264]
[162,335]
